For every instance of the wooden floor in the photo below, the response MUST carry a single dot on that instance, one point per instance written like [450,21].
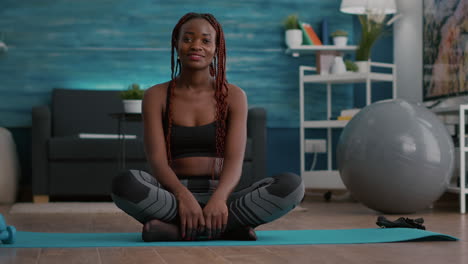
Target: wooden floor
[443,218]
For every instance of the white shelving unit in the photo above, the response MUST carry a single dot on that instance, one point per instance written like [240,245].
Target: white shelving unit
[462,190]
[463,149]
[330,179]
[309,49]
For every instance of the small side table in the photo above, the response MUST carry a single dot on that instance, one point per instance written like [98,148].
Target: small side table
[122,118]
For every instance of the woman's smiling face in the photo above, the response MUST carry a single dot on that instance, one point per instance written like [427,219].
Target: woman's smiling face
[196,45]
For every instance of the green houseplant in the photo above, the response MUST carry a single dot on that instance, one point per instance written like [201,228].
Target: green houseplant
[340,37]
[291,22]
[132,93]
[339,33]
[293,33]
[373,25]
[351,66]
[132,98]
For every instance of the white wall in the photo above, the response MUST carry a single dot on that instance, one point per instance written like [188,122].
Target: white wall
[407,45]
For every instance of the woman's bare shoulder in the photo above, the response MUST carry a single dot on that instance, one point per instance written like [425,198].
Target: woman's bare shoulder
[157,91]
[236,94]
[155,98]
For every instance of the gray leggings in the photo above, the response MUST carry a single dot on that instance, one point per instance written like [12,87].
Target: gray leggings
[141,196]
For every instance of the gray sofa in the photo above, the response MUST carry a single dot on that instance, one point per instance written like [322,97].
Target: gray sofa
[67,166]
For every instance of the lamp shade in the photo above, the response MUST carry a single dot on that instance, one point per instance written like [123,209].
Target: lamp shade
[360,7]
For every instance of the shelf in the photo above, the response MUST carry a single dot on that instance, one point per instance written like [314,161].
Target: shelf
[325,179]
[446,110]
[454,189]
[325,124]
[348,78]
[310,49]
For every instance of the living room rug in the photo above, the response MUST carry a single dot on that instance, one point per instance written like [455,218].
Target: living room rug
[271,237]
[64,207]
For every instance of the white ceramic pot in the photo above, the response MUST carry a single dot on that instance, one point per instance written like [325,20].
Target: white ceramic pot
[293,37]
[340,41]
[363,66]
[132,106]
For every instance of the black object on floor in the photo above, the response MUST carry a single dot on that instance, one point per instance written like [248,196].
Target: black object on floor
[401,222]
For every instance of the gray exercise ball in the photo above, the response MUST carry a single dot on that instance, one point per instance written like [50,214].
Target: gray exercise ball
[395,156]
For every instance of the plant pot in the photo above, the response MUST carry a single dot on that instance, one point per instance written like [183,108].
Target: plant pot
[363,66]
[293,37]
[340,41]
[132,106]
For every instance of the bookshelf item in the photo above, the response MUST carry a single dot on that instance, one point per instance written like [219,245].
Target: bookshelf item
[310,37]
[350,112]
[325,54]
[338,66]
[306,40]
[310,32]
[345,118]
[324,61]
[324,32]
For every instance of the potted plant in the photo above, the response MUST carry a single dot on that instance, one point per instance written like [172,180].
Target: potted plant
[372,27]
[293,34]
[132,98]
[351,66]
[340,38]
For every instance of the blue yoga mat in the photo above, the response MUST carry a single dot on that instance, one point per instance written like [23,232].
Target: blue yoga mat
[278,237]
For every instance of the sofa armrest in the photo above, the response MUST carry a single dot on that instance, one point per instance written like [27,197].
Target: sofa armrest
[40,134]
[256,131]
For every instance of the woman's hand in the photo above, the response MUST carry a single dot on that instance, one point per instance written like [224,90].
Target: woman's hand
[216,217]
[191,216]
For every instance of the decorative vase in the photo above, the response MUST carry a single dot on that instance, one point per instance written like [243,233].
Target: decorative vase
[132,106]
[293,37]
[338,66]
[363,66]
[340,41]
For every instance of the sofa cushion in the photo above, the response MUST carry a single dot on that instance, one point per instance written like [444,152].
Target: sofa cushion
[72,178]
[248,150]
[87,111]
[74,148]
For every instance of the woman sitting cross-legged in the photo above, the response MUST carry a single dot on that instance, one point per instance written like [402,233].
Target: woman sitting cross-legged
[195,130]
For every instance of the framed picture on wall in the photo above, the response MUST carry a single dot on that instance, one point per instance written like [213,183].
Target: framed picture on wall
[445,48]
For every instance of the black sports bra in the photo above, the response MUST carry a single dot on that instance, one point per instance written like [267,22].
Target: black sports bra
[196,141]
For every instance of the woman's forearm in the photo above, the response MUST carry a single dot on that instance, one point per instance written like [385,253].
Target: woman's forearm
[228,180]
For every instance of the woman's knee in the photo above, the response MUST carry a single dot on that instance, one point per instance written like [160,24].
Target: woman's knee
[128,185]
[287,184]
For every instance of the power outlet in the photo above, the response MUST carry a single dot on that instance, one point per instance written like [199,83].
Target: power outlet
[315,146]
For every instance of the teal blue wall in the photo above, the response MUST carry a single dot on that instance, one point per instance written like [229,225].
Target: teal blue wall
[110,44]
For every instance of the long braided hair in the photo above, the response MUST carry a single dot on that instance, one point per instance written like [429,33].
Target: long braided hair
[217,70]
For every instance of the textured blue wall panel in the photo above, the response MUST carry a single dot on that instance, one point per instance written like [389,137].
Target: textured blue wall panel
[109,44]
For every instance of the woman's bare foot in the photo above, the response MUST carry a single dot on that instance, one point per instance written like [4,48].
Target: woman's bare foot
[245,233]
[156,230]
